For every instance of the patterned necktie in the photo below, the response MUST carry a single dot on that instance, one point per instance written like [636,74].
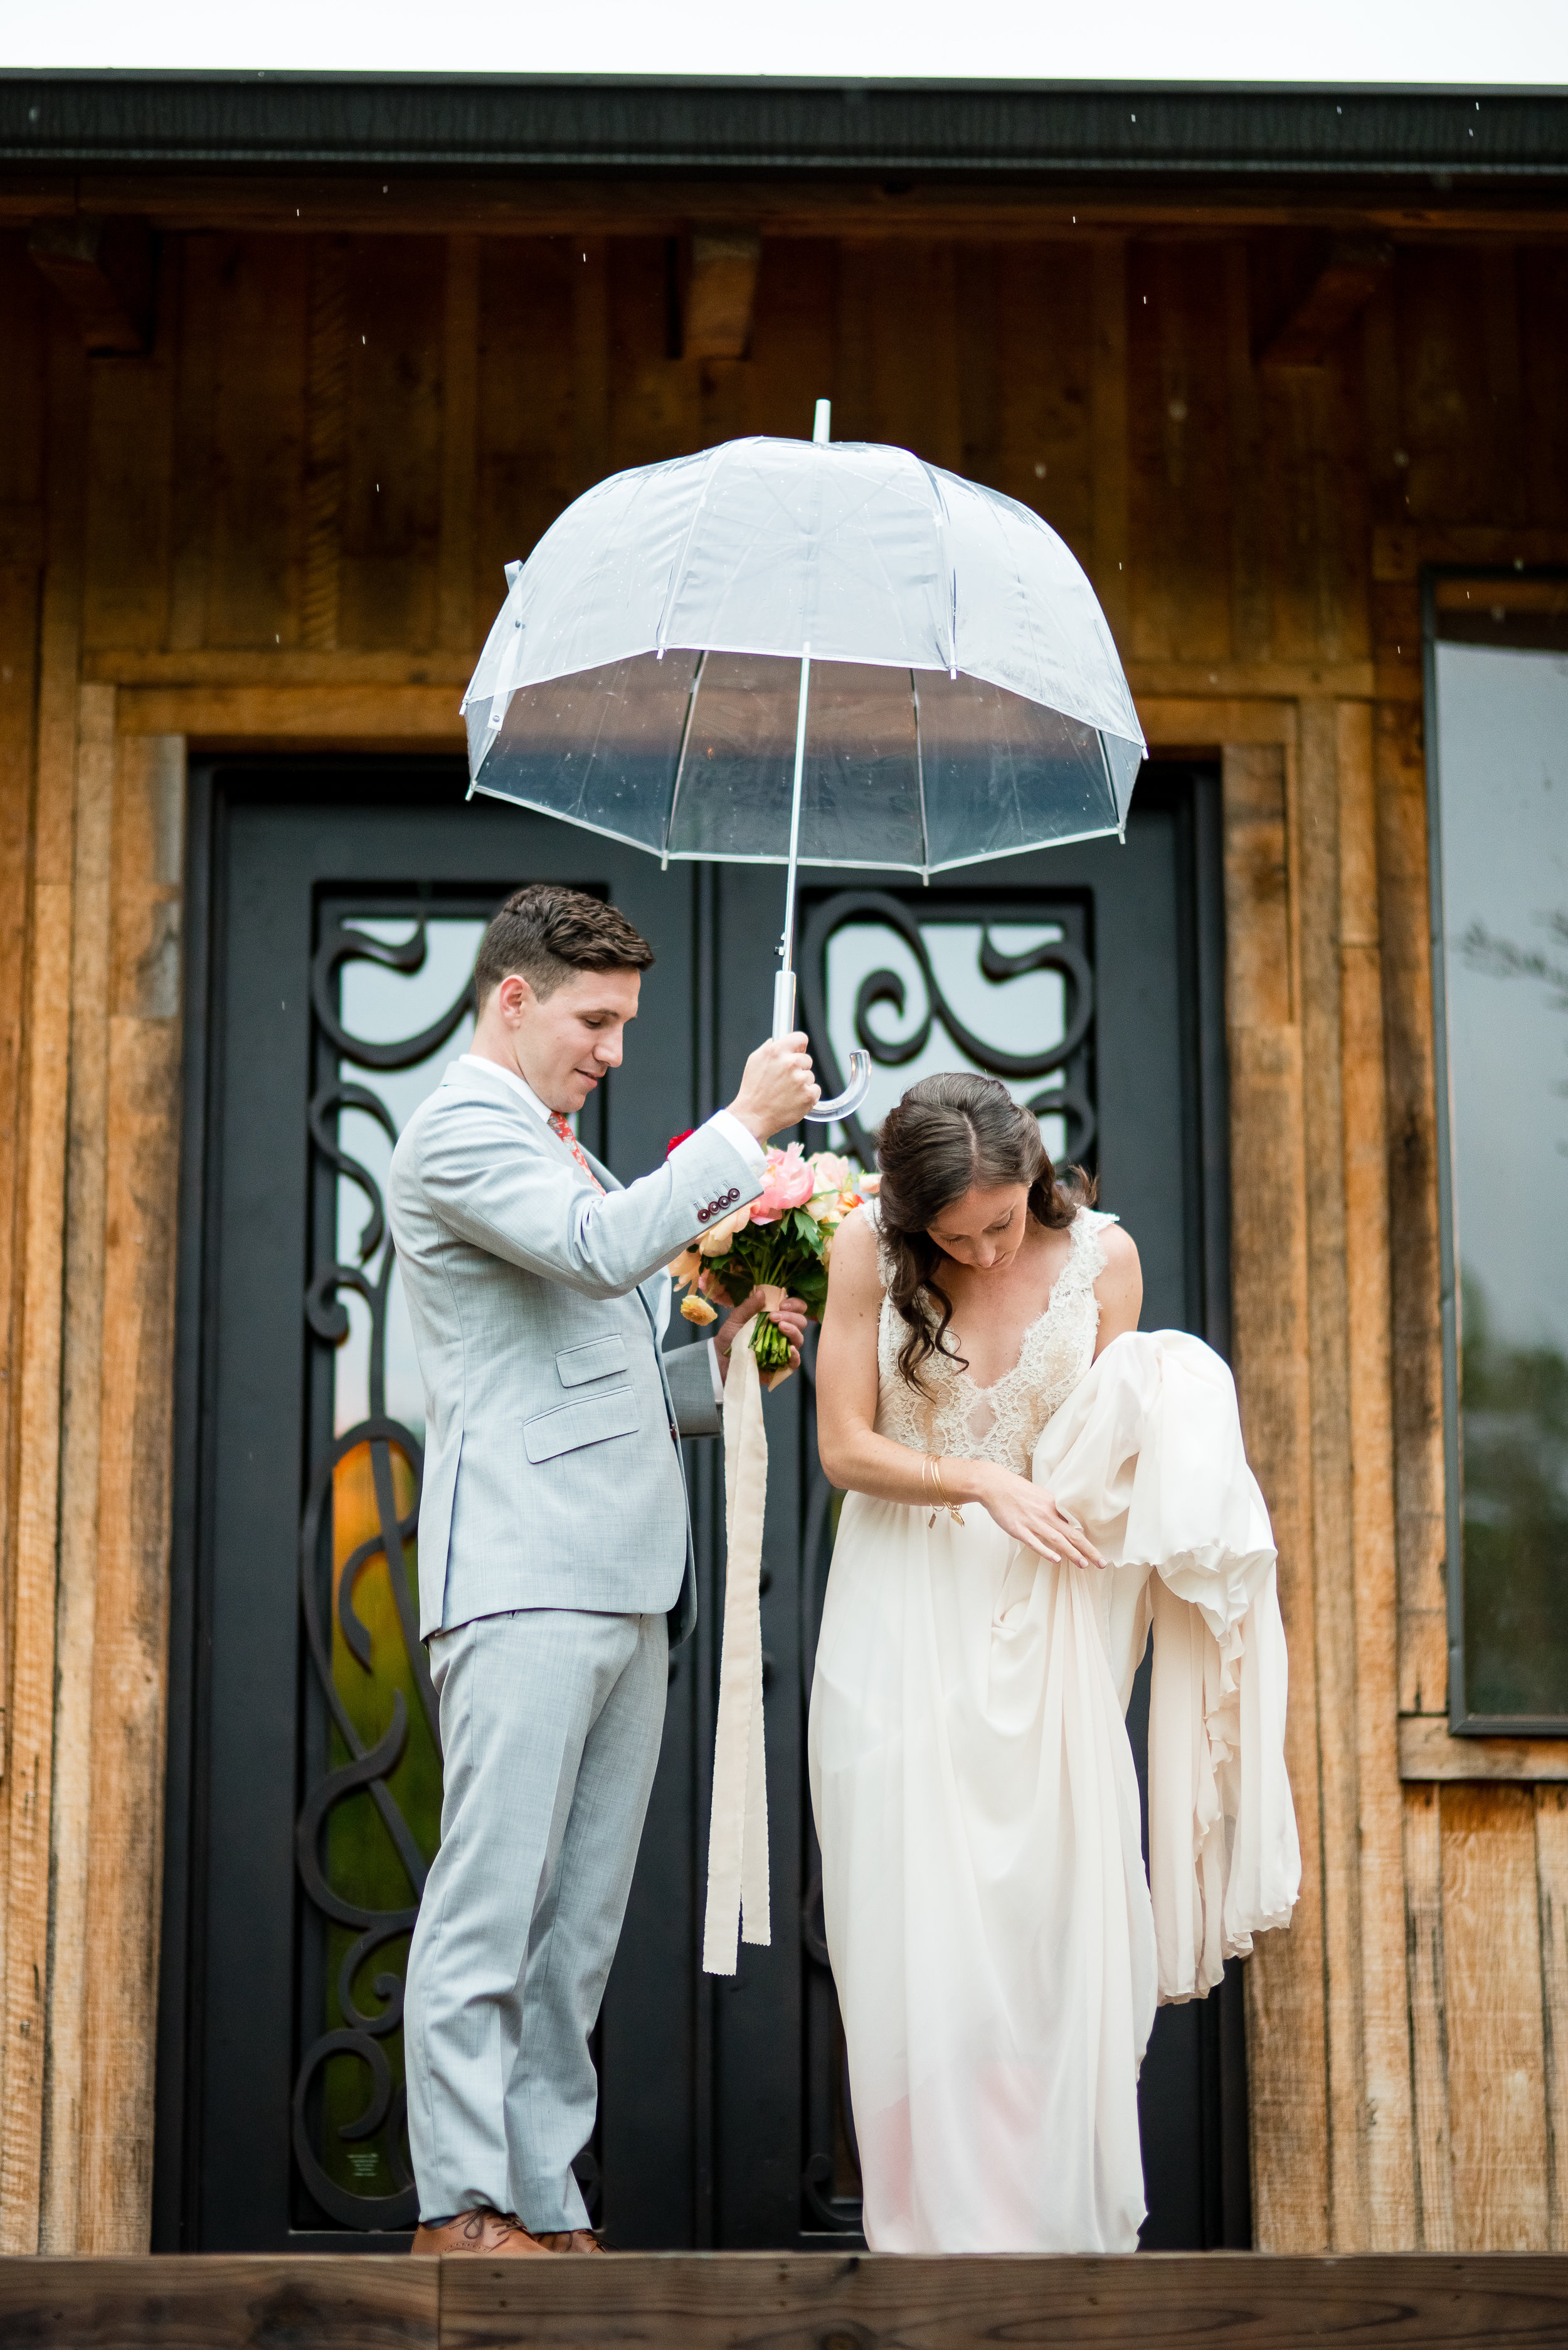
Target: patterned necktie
[562,1132]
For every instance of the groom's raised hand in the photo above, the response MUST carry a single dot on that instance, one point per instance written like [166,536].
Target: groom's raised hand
[776,1087]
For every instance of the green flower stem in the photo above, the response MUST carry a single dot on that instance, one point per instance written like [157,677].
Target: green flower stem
[769,1344]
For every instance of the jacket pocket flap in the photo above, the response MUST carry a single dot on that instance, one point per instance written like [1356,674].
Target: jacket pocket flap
[595,1358]
[571,1425]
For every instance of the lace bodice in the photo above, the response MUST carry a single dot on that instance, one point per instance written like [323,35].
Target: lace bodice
[1002,1422]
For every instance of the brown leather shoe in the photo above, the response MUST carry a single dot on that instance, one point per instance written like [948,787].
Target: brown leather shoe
[577,2240]
[495,2235]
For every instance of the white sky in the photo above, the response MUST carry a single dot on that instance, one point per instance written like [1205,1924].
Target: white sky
[1334,41]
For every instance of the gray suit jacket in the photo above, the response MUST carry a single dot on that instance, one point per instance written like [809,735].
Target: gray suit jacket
[551,1474]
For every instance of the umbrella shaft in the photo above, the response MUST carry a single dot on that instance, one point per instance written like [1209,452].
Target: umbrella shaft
[783,995]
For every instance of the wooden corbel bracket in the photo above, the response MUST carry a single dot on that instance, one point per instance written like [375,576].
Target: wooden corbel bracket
[104,267]
[1344,283]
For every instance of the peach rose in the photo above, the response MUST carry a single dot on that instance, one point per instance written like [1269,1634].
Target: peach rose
[715,1242]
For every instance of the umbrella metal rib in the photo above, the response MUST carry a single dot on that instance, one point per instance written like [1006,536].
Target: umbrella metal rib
[783,985]
[681,761]
[920,787]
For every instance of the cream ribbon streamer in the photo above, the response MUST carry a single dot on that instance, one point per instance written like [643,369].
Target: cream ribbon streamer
[738,1834]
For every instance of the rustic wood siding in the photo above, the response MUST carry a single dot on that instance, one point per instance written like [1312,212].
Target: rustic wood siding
[286,526]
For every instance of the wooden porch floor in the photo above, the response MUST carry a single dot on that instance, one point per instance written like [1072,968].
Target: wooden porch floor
[763,2301]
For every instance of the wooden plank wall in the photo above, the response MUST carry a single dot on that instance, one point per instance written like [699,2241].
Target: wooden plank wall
[286,526]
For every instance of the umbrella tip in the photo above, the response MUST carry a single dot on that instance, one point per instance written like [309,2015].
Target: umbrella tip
[822,430]
[512,570]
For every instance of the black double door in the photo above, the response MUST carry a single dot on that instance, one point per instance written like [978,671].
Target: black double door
[333,916]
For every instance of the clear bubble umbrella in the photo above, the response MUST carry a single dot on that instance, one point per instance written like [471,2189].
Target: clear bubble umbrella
[806,652]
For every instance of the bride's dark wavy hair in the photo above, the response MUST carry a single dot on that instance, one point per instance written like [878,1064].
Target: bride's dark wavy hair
[948,1133]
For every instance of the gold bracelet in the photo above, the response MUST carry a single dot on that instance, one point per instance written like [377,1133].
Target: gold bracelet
[942,1501]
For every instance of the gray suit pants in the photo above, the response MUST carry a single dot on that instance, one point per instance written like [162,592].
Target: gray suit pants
[550,1721]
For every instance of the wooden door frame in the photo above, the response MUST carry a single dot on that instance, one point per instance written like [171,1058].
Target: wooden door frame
[1306,831]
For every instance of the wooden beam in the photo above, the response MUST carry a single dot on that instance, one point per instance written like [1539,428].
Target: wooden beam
[1203,2301]
[720,290]
[1316,828]
[230,2302]
[136,1381]
[1287,2058]
[75,1602]
[827,204]
[1380,1811]
[37,1353]
[234,717]
[1205,684]
[788,2300]
[105,270]
[1428,1752]
[1399,549]
[1344,284]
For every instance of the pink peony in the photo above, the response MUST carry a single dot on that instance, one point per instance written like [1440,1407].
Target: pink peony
[788,1182]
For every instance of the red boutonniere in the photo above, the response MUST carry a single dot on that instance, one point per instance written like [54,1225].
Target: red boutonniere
[677,1139]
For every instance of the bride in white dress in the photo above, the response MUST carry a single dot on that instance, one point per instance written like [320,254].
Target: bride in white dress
[1033,1484]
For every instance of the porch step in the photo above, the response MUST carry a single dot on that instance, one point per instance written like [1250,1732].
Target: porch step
[804,2300]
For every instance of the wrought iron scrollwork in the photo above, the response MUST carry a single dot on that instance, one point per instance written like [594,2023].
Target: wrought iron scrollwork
[365,2031]
[1065,1059]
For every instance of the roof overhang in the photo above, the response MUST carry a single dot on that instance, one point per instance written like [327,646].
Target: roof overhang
[1101,133]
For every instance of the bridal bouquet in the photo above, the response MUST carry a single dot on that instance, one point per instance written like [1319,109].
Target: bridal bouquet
[779,1244]
[779,1241]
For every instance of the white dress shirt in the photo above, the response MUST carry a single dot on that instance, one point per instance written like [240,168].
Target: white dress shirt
[740,1137]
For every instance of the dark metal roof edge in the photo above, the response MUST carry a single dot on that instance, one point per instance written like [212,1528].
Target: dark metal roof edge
[826,124]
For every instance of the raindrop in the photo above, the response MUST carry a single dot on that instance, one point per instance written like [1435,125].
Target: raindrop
[1401,456]
[1178,411]
[1040,472]
[1498,613]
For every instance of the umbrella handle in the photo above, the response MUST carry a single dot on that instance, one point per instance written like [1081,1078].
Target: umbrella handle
[845,1104]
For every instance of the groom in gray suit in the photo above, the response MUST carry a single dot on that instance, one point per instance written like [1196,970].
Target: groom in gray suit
[555,1557]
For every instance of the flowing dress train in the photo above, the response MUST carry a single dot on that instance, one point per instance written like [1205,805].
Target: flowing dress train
[997,1948]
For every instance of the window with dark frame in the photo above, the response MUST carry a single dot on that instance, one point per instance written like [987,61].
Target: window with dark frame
[1497,764]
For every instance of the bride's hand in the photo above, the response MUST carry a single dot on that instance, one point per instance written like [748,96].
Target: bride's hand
[1029,1514]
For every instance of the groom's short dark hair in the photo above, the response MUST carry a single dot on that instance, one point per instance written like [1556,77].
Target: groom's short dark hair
[545,932]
